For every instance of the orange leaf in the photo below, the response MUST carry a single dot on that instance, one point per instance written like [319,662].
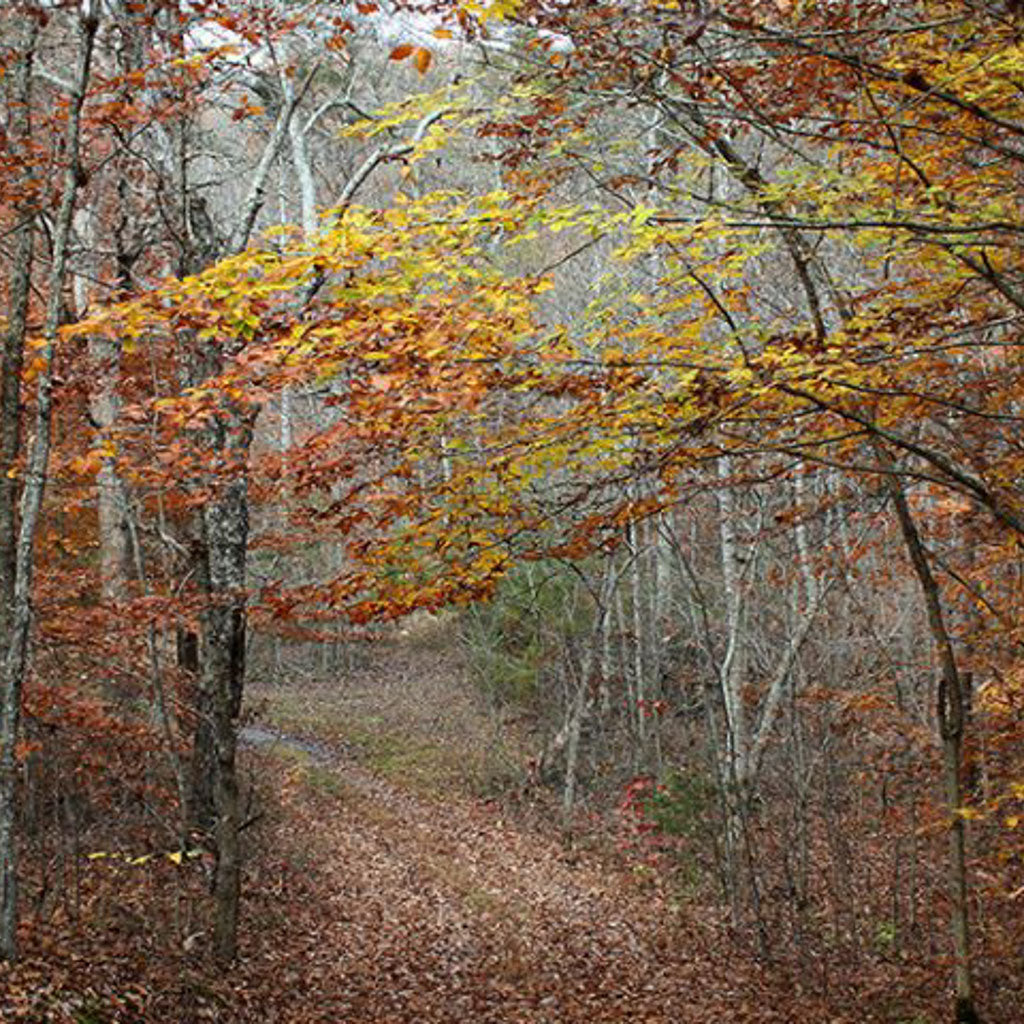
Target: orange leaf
[443,33]
[401,52]
[423,59]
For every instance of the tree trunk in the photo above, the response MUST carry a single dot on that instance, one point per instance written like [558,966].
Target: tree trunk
[951,729]
[732,668]
[222,671]
[104,401]
[219,558]
[17,650]
[14,338]
[10,443]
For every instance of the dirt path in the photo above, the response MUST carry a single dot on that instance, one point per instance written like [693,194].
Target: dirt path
[409,909]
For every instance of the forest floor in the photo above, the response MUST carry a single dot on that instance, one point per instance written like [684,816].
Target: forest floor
[414,901]
[379,889]
[412,897]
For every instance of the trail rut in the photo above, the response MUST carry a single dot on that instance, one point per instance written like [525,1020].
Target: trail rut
[412,909]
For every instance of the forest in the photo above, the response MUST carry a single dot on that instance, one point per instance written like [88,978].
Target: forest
[512,511]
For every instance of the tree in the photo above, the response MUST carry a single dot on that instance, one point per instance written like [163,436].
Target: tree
[901,257]
[19,617]
[801,356]
[869,370]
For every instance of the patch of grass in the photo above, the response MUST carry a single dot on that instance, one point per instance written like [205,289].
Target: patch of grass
[415,720]
[294,713]
[325,780]
[289,755]
[424,767]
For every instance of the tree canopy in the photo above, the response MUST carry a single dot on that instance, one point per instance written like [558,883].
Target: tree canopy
[588,285]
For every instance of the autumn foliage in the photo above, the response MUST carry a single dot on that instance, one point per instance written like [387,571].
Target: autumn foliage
[682,337]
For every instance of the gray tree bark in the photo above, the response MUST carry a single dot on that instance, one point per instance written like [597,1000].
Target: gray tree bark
[222,665]
[950,701]
[19,135]
[224,536]
[16,654]
[10,445]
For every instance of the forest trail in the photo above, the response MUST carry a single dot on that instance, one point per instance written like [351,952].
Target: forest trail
[405,907]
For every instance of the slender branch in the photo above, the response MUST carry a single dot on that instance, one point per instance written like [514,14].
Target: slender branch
[256,196]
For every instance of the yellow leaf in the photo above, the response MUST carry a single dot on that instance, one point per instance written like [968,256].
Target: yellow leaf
[968,813]
[174,858]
